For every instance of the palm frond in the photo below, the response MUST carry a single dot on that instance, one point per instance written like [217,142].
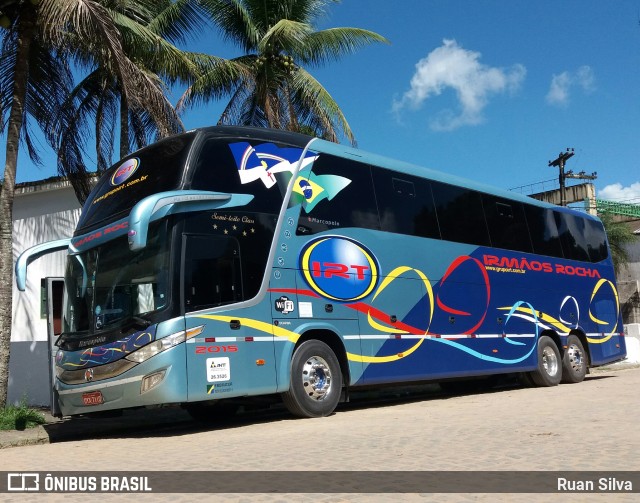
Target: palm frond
[317,108]
[218,78]
[235,22]
[179,20]
[328,45]
[284,36]
[143,44]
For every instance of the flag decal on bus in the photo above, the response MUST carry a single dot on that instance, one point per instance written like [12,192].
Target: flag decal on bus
[264,161]
[315,188]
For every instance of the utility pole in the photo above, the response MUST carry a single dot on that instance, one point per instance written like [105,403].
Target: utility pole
[559,163]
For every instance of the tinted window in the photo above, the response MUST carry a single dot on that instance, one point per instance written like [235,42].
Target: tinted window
[212,272]
[460,214]
[543,231]
[338,193]
[596,240]
[572,236]
[507,223]
[156,168]
[225,256]
[218,169]
[405,204]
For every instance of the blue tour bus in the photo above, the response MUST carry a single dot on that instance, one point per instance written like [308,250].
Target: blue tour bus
[226,263]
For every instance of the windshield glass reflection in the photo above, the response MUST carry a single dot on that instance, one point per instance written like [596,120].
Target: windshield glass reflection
[111,287]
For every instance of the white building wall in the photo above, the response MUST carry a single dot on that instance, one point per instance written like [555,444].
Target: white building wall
[41,212]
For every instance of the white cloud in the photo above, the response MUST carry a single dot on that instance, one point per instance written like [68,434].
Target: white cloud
[616,192]
[563,83]
[451,66]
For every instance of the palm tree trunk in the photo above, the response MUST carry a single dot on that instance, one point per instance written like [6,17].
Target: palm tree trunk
[26,29]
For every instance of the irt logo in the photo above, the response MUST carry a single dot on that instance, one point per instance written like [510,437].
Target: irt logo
[328,270]
[125,170]
[339,268]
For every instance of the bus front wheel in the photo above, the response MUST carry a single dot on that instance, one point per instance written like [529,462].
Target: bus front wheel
[549,371]
[574,361]
[316,381]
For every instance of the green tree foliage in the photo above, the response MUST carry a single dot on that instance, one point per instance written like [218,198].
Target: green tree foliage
[100,105]
[279,41]
[619,236]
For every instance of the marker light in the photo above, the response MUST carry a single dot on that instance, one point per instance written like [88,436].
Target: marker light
[151,381]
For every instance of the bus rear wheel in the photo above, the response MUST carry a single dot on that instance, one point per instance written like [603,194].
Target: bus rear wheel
[574,361]
[549,371]
[316,381]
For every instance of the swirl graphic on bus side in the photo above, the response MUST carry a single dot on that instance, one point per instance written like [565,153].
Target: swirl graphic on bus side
[339,268]
[125,171]
[612,313]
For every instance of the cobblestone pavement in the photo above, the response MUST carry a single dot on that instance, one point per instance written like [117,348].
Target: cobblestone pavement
[589,426]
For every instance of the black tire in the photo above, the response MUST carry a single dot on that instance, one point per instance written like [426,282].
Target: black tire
[549,372]
[574,361]
[316,381]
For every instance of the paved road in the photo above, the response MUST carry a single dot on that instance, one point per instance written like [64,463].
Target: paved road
[589,426]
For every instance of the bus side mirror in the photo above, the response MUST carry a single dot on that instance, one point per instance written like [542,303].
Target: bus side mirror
[163,204]
[30,254]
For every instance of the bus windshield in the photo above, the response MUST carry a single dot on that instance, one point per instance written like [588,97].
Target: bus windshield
[112,288]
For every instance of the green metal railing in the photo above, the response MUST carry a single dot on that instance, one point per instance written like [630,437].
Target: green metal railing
[626,209]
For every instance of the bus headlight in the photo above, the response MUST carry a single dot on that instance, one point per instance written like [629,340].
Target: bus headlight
[156,347]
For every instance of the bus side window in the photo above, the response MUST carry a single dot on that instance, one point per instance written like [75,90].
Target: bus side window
[507,224]
[543,231]
[405,204]
[596,239]
[572,236]
[460,214]
[339,193]
[211,271]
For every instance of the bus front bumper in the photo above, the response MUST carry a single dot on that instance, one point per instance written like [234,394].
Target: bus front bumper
[159,380]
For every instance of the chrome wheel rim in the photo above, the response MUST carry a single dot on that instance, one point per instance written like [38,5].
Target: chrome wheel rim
[549,361]
[576,358]
[316,378]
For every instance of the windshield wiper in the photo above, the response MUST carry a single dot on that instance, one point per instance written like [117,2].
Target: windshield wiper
[73,341]
[68,336]
[137,322]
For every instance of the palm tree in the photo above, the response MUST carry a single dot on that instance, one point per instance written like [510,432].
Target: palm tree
[37,36]
[279,39]
[98,101]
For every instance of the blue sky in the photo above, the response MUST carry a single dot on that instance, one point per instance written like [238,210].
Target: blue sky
[489,90]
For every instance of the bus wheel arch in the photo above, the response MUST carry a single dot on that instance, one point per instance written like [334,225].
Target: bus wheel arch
[332,340]
[317,374]
[575,358]
[549,371]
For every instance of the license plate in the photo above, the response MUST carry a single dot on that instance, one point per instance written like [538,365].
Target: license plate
[93,398]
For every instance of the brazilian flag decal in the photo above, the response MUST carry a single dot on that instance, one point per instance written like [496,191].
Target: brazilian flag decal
[315,188]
